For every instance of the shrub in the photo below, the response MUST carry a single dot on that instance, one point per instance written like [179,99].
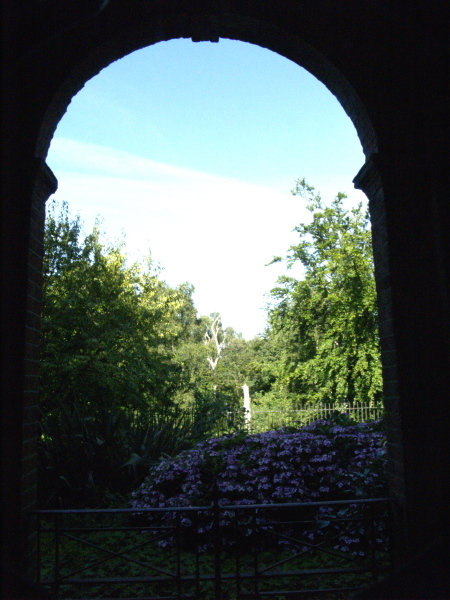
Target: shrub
[86,461]
[330,459]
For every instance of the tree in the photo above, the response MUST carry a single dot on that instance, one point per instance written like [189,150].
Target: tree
[215,339]
[110,375]
[242,363]
[108,329]
[219,366]
[325,325]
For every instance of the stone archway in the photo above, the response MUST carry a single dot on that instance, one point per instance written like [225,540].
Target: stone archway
[346,46]
[210,28]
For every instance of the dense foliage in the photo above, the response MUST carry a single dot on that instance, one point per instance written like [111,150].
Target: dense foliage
[108,328]
[111,380]
[135,389]
[327,460]
[333,459]
[324,326]
[130,373]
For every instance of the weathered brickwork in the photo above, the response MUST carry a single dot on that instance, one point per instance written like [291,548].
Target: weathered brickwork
[369,181]
[45,185]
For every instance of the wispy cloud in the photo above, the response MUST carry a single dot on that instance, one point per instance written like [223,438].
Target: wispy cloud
[215,232]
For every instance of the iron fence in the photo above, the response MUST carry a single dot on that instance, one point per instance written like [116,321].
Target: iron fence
[260,420]
[233,552]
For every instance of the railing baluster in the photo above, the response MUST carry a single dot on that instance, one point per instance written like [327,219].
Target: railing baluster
[217,549]
[197,557]
[38,548]
[392,525]
[255,555]
[372,542]
[247,567]
[178,548]
[57,542]
[237,545]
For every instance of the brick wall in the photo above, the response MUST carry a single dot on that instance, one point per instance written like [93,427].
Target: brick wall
[45,185]
[388,71]
[369,181]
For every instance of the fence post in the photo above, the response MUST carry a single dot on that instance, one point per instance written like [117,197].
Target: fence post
[217,545]
[57,543]
[197,556]
[178,542]
[237,542]
[38,549]
[247,408]
[255,555]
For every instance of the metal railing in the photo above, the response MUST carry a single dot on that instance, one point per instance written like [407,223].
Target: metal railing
[264,420]
[310,549]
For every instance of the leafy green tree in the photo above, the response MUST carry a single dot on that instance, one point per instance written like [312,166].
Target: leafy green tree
[108,328]
[191,354]
[202,356]
[111,371]
[325,325]
[219,362]
[243,363]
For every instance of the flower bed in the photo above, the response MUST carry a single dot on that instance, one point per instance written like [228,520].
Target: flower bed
[330,459]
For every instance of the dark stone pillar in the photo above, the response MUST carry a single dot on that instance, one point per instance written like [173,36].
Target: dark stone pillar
[21,306]
[413,325]
[45,185]
[368,180]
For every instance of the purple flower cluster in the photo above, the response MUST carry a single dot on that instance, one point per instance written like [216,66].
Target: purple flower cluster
[327,460]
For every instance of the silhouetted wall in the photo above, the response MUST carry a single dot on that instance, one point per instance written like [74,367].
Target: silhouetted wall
[387,62]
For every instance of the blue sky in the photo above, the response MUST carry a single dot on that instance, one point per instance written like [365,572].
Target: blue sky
[191,151]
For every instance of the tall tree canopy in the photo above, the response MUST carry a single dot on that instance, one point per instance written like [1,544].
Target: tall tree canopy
[128,371]
[325,325]
[109,329]
[119,361]
[117,338]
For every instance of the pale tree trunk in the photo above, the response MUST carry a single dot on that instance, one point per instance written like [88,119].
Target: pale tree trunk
[213,335]
[247,408]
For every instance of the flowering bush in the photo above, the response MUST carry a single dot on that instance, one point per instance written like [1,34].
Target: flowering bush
[328,460]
